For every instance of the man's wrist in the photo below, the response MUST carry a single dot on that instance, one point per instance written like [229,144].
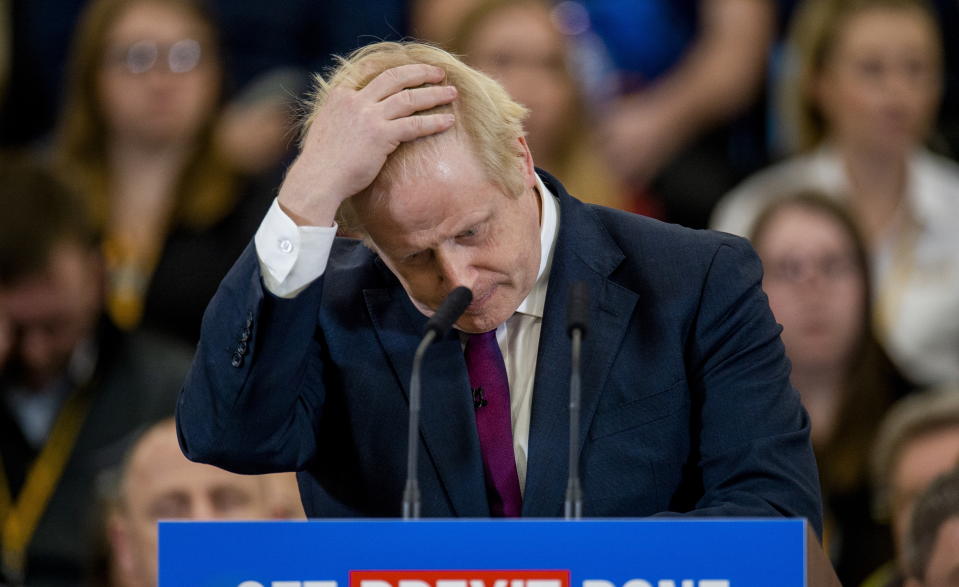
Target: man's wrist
[306,201]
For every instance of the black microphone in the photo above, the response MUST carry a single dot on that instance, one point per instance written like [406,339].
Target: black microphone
[577,308]
[449,311]
[577,316]
[437,326]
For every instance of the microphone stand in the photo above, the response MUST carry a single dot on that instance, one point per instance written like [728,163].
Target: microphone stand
[411,494]
[577,318]
[449,311]
[574,491]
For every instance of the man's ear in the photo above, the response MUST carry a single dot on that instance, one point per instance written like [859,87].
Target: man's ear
[527,167]
[121,545]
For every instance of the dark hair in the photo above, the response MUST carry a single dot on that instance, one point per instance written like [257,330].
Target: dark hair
[871,381]
[37,213]
[937,505]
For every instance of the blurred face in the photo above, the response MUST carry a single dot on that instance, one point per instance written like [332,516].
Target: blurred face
[918,464]
[880,87]
[159,80]
[161,484]
[282,496]
[447,225]
[815,287]
[46,316]
[943,567]
[520,47]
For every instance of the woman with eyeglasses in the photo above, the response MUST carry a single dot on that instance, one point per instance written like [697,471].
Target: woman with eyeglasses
[817,278]
[137,139]
[867,85]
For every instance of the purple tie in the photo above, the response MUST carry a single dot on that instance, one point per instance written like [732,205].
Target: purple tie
[491,397]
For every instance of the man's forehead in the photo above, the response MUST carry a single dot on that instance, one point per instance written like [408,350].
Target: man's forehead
[427,183]
[160,468]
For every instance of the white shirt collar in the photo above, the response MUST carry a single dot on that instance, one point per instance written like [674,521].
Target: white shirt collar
[549,228]
[923,198]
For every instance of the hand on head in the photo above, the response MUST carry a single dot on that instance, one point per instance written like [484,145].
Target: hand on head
[353,132]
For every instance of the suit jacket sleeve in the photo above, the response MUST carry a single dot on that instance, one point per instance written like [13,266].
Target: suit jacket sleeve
[754,450]
[252,396]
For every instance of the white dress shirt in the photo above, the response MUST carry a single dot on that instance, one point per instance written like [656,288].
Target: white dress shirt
[915,282]
[291,257]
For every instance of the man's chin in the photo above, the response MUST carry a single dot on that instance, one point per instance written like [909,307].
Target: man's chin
[479,323]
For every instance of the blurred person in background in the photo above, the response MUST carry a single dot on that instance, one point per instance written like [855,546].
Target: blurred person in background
[270,51]
[932,549]
[158,483]
[659,94]
[867,90]
[282,496]
[436,21]
[131,500]
[71,384]
[263,43]
[686,73]
[518,43]
[918,441]
[137,139]
[816,277]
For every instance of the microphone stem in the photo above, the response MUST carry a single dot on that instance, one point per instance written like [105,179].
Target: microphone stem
[411,494]
[574,493]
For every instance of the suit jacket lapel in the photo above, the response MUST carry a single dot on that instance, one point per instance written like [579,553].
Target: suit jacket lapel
[584,252]
[447,422]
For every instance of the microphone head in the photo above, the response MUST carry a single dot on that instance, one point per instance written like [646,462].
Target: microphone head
[577,308]
[449,311]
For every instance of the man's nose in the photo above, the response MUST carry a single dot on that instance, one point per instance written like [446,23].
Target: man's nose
[454,267]
[202,508]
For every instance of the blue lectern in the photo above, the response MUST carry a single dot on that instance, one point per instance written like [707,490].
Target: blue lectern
[487,553]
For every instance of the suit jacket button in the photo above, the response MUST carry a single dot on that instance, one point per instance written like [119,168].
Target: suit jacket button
[237,360]
[241,348]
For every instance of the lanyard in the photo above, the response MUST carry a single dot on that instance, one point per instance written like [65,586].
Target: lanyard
[20,517]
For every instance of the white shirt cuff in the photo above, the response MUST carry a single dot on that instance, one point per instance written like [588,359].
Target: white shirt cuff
[291,257]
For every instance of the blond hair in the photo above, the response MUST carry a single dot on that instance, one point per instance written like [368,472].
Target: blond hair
[913,417]
[816,29]
[490,120]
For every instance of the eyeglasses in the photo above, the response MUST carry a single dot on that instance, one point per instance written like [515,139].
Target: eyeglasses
[140,57]
[828,267]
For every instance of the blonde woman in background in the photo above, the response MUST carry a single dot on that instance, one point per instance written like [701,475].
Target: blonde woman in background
[868,86]
[518,43]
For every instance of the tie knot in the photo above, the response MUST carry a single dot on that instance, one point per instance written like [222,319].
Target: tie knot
[484,337]
[483,347]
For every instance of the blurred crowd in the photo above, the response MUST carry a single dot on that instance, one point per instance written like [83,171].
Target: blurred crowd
[143,140]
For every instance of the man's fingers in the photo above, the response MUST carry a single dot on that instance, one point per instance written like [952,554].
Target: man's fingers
[414,127]
[406,102]
[399,78]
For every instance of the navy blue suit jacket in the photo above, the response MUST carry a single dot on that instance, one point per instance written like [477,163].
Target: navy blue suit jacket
[687,405]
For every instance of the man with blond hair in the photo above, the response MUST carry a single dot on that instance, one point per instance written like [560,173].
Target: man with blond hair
[306,349]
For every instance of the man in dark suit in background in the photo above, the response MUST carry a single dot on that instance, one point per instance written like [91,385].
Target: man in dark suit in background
[72,386]
[306,349]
